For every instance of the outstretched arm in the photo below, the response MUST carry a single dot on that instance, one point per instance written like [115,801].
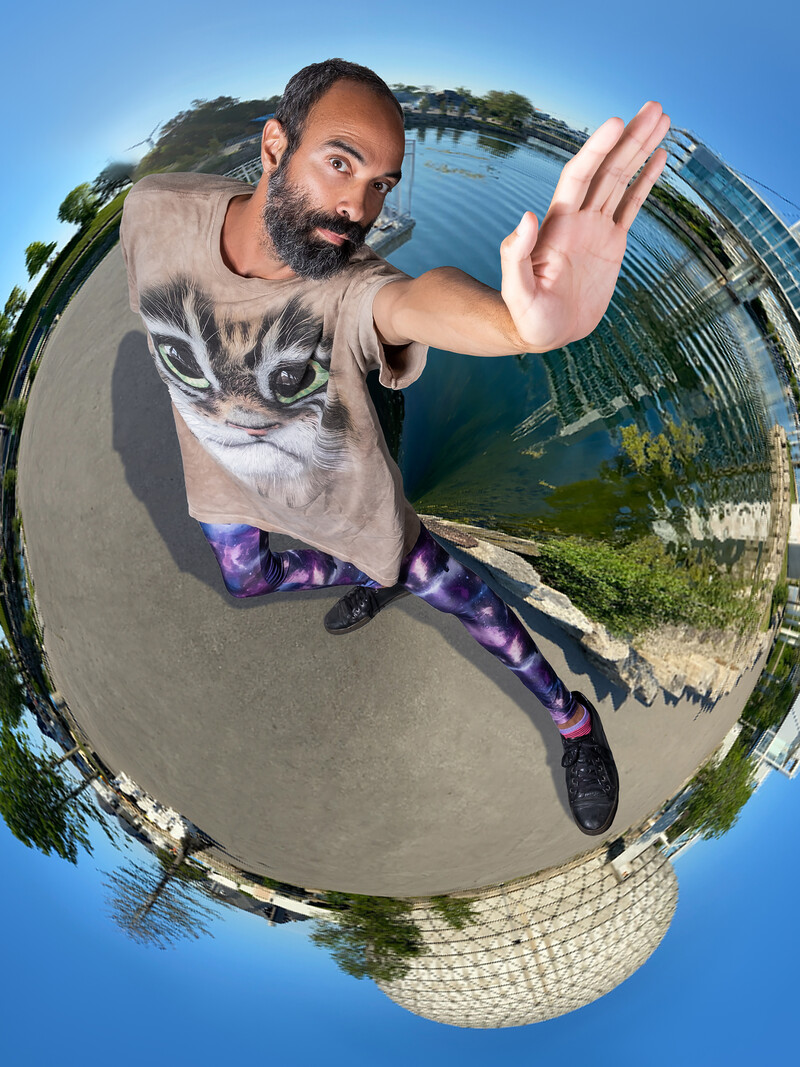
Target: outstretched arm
[558,278]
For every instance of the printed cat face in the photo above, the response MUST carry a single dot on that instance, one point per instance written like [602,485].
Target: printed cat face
[254,393]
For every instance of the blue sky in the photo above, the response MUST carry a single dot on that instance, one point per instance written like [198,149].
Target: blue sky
[75,982]
[80,83]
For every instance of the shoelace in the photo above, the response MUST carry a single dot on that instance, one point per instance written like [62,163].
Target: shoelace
[360,598]
[584,760]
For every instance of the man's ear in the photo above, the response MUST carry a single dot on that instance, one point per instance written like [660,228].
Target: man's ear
[273,145]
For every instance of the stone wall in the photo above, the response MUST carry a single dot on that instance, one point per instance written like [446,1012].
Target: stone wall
[672,658]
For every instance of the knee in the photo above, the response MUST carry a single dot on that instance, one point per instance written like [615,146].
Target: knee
[243,586]
[241,592]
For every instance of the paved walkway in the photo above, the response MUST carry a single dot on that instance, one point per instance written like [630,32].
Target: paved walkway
[402,759]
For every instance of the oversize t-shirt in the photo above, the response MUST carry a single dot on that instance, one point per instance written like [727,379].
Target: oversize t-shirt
[267,379]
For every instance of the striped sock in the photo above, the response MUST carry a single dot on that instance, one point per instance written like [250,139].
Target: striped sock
[581,728]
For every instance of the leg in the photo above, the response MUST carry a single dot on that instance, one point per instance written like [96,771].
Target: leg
[250,568]
[432,574]
[592,780]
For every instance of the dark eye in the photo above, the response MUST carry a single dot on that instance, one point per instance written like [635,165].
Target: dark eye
[178,358]
[291,383]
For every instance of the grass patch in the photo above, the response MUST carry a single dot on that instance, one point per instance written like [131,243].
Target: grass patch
[640,586]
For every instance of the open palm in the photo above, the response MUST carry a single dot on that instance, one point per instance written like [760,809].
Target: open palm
[558,279]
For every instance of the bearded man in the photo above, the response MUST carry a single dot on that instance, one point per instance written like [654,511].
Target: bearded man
[265,311]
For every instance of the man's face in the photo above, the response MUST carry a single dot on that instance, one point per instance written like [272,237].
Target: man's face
[325,195]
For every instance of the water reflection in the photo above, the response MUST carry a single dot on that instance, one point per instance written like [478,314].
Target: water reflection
[630,495]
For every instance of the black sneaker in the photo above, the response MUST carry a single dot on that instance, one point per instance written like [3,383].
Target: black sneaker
[592,779]
[358,606]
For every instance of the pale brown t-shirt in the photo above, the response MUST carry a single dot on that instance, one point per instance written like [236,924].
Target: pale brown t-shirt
[267,379]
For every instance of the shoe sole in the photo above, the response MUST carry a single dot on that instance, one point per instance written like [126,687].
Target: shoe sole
[348,629]
[363,622]
[600,734]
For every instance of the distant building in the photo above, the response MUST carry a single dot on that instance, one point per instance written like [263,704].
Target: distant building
[790,624]
[779,747]
[772,239]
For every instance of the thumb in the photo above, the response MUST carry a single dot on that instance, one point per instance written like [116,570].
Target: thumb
[515,259]
[523,238]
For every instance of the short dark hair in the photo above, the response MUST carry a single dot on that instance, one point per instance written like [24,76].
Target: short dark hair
[305,88]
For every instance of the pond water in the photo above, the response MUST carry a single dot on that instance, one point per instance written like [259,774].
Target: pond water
[533,444]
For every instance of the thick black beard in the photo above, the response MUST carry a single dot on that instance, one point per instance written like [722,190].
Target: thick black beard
[290,221]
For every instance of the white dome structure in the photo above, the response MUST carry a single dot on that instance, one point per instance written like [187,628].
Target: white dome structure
[541,947]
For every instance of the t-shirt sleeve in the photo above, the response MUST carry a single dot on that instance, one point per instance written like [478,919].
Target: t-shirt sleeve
[125,243]
[400,366]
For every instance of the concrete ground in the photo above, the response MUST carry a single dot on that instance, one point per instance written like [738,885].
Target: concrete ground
[401,760]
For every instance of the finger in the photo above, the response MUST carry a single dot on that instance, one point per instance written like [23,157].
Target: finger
[642,134]
[617,192]
[637,192]
[577,175]
[515,257]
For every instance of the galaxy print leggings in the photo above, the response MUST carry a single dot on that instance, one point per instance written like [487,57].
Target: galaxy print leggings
[250,568]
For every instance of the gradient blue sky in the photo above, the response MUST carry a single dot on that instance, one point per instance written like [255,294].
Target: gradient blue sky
[82,82]
[73,985]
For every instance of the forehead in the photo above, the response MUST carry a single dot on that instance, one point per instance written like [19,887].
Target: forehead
[353,112]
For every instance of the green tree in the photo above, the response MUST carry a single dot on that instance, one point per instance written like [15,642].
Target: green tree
[424,104]
[5,332]
[634,445]
[456,911]
[718,795]
[668,453]
[15,303]
[510,107]
[780,594]
[36,256]
[12,691]
[13,412]
[769,703]
[183,141]
[30,625]
[37,804]
[371,937]
[660,455]
[112,178]
[80,206]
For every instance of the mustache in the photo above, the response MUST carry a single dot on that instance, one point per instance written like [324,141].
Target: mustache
[352,231]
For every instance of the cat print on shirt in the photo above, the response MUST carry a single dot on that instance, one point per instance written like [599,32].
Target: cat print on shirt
[254,393]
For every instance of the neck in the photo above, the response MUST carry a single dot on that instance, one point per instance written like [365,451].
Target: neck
[242,247]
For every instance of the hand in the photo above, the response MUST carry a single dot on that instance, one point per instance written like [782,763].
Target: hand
[558,279]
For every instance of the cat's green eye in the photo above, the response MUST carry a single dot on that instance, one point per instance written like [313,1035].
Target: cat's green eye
[314,378]
[172,359]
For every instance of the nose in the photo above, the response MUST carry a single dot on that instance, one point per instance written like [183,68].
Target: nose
[353,205]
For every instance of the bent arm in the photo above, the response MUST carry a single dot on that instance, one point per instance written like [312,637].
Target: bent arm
[447,309]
